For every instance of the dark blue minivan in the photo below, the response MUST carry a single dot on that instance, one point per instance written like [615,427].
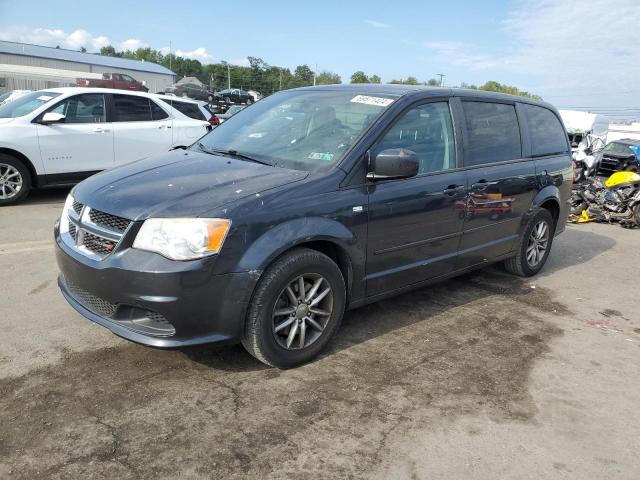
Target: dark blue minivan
[310,202]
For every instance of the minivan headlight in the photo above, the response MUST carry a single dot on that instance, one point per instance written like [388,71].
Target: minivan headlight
[182,238]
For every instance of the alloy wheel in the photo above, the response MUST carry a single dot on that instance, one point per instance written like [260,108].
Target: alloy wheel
[10,181]
[302,311]
[538,243]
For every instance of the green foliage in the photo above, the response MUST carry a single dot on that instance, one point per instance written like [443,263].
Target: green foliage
[258,75]
[493,86]
[328,78]
[359,77]
[265,78]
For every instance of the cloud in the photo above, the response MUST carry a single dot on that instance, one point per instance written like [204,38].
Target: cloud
[79,38]
[376,24]
[571,50]
[132,44]
[53,37]
[200,54]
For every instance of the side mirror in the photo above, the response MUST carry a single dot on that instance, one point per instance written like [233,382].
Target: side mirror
[394,163]
[51,117]
[144,82]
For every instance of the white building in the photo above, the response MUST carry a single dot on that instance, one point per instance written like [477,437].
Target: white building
[33,67]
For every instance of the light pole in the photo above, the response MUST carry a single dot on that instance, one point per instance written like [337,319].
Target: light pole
[228,76]
[441,75]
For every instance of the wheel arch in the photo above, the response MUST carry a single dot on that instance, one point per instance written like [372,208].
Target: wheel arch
[549,199]
[24,159]
[321,234]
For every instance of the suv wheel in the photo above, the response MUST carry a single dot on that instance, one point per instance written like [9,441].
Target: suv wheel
[534,246]
[296,309]
[15,180]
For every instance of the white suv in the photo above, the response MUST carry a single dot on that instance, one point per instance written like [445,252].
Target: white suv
[60,136]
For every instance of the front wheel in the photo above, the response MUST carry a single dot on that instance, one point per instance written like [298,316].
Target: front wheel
[534,246]
[295,310]
[15,180]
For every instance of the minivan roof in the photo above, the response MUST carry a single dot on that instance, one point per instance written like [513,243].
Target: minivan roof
[409,90]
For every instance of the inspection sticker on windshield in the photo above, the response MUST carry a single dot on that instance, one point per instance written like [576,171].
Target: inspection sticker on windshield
[325,157]
[375,101]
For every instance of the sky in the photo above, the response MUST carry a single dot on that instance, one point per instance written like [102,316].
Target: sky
[574,53]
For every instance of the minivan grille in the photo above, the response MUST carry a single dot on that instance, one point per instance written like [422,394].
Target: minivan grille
[107,220]
[97,244]
[92,232]
[92,302]
[141,320]
[77,207]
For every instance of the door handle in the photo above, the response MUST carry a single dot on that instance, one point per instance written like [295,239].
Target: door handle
[480,185]
[454,190]
[101,130]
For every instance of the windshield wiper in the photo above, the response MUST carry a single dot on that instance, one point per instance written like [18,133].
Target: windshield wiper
[231,153]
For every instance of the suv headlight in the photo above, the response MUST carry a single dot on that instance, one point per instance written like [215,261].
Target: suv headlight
[182,238]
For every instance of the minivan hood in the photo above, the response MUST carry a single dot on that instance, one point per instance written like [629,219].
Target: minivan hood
[179,184]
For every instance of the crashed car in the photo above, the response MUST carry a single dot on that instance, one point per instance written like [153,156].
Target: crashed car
[621,155]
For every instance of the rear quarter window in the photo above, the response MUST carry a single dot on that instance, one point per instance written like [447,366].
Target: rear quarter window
[492,133]
[191,110]
[547,134]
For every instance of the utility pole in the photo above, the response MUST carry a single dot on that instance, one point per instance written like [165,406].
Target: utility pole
[441,75]
[228,76]
[281,79]
[315,72]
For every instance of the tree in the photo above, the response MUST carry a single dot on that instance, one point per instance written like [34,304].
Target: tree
[411,81]
[109,51]
[328,78]
[375,79]
[432,82]
[493,86]
[303,75]
[82,50]
[359,77]
[466,85]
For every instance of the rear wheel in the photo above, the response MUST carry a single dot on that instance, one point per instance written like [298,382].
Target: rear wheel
[15,180]
[249,101]
[534,246]
[296,309]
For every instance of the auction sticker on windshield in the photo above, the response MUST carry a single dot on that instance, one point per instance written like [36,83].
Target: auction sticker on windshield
[376,101]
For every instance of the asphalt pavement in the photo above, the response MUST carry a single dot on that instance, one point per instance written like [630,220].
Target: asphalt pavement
[485,376]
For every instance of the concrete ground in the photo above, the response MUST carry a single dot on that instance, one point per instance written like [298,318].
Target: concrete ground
[483,377]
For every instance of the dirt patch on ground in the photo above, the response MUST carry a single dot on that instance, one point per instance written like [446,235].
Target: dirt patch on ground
[465,346]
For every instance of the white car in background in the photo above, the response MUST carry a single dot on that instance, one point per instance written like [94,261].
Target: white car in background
[60,136]
[12,95]
[196,109]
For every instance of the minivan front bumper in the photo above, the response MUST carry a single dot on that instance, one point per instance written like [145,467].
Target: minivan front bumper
[148,299]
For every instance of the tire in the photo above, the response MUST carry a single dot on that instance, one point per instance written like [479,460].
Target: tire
[227,100]
[271,296]
[14,175]
[520,264]
[249,101]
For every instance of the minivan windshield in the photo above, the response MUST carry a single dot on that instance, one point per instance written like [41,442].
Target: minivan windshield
[307,130]
[26,104]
